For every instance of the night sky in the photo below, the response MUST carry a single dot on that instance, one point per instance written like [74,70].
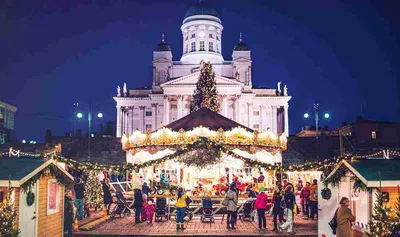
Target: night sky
[52,53]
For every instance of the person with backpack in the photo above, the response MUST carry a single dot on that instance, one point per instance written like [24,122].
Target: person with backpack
[231,201]
[344,218]
[313,199]
[305,200]
[290,200]
[277,209]
[261,205]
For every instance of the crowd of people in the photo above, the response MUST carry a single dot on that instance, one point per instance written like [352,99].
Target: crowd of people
[283,202]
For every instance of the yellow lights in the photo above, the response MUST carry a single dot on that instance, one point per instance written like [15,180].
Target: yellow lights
[237,136]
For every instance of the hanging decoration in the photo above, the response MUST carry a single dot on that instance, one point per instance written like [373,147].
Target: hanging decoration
[30,198]
[326,193]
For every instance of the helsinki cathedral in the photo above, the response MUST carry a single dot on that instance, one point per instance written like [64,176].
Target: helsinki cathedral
[174,82]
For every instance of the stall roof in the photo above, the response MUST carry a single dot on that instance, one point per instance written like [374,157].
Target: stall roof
[20,169]
[374,172]
[206,118]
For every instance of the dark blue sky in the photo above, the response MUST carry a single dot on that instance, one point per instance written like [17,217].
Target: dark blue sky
[343,55]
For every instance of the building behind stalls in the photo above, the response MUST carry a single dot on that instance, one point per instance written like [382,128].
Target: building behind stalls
[7,113]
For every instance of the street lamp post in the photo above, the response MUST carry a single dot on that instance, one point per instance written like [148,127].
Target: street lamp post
[80,115]
[316,118]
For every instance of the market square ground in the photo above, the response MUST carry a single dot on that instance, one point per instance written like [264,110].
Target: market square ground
[126,227]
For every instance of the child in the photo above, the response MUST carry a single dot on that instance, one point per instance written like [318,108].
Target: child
[143,214]
[150,209]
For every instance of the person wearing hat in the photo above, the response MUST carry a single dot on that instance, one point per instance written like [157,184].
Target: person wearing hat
[231,200]
[305,200]
[261,206]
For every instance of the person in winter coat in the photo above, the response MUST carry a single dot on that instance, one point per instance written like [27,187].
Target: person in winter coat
[261,206]
[344,218]
[79,188]
[150,209]
[137,204]
[277,207]
[290,201]
[305,200]
[107,198]
[313,199]
[181,205]
[68,213]
[231,199]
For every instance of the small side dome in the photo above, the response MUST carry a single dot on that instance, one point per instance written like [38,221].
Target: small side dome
[162,46]
[201,8]
[241,46]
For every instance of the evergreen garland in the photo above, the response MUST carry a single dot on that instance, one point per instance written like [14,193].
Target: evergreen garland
[93,192]
[326,193]
[381,223]
[205,94]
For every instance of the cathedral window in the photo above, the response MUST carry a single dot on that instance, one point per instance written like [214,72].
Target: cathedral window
[210,36]
[210,46]
[193,47]
[202,46]
[217,48]
[148,113]
[256,113]
[193,36]
[186,48]
[256,126]
[217,38]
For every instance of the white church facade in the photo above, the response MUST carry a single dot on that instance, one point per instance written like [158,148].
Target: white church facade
[174,82]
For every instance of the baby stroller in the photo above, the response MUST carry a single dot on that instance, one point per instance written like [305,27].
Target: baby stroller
[207,210]
[188,213]
[122,207]
[161,209]
[247,213]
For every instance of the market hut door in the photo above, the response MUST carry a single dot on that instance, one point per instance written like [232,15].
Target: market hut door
[326,210]
[28,213]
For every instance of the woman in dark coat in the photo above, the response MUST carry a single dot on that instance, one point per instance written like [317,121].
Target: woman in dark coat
[68,213]
[146,190]
[137,204]
[277,208]
[107,198]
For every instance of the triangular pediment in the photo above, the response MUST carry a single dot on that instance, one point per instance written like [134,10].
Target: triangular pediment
[191,79]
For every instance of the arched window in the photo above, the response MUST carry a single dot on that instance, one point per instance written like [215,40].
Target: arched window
[210,46]
[192,46]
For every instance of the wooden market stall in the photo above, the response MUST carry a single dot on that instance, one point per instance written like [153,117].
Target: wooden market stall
[359,180]
[204,151]
[37,191]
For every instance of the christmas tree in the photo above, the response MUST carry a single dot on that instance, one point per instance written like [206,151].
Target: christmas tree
[381,223]
[396,218]
[205,94]
[93,192]
[8,216]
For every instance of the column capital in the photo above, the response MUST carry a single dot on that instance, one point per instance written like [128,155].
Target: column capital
[238,96]
[154,105]
[165,97]
[249,103]
[180,96]
[142,107]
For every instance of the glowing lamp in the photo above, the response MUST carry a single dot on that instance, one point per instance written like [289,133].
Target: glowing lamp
[100,115]
[306,115]
[79,115]
[326,115]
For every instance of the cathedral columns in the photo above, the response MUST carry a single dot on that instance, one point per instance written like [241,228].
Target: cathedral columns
[166,110]
[225,103]
[237,109]
[250,113]
[154,116]
[130,119]
[286,118]
[274,127]
[119,121]
[143,115]
[180,106]
[261,119]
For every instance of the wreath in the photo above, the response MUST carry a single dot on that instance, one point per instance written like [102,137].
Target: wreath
[30,198]
[326,193]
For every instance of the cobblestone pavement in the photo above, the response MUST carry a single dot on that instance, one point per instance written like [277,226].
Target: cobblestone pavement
[125,227]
